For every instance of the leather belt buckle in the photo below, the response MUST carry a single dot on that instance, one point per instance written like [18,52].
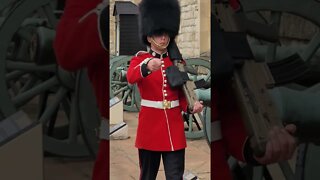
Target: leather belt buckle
[166,104]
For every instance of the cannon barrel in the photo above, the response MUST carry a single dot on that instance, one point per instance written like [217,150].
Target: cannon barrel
[204,95]
[301,109]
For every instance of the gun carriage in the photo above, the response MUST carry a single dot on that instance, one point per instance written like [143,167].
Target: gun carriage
[31,80]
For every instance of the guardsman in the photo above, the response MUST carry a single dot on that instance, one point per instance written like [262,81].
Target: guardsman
[160,129]
[82,42]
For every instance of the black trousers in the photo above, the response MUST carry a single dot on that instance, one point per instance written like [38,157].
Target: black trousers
[173,162]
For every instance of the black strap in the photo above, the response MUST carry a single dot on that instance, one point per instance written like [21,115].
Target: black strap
[222,61]
[174,52]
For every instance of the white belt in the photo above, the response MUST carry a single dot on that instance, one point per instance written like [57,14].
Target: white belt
[160,104]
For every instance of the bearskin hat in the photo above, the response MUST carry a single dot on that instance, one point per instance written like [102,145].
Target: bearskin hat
[157,17]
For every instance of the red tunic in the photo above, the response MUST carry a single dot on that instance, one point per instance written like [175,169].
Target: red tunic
[233,133]
[77,45]
[158,129]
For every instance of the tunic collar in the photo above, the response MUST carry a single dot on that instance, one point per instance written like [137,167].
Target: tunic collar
[157,55]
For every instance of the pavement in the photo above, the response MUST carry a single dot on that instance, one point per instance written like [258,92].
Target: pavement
[124,164]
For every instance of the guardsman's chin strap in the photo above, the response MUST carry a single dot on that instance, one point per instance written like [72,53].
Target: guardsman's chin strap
[158,45]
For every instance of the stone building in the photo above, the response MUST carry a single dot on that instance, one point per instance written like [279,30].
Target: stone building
[194,36]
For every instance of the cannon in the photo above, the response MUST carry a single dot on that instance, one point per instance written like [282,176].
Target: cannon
[119,85]
[31,80]
[300,107]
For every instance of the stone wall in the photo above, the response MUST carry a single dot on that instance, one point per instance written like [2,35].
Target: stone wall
[194,36]
[189,36]
[112,27]
[297,28]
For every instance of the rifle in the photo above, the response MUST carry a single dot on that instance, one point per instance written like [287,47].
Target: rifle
[251,82]
[189,86]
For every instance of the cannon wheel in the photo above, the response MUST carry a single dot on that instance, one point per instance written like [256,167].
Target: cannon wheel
[278,12]
[28,82]
[202,67]
[120,87]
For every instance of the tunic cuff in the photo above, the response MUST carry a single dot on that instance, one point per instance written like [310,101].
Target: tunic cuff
[143,68]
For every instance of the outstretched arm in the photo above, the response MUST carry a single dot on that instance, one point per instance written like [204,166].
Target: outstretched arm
[79,41]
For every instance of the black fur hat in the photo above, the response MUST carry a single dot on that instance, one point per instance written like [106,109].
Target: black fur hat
[158,16]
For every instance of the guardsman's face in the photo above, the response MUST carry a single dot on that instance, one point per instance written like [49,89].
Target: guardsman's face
[159,41]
